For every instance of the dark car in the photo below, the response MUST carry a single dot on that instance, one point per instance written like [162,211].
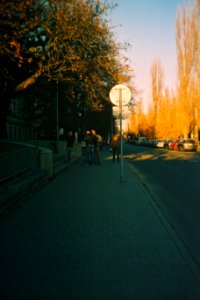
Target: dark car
[187,145]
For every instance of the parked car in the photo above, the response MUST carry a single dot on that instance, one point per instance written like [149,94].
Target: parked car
[149,143]
[187,145]
[153,143]
[159,144]
[141,140]
[174,145]
[167,143]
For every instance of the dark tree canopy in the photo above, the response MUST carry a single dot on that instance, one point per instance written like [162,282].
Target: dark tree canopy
[64,41]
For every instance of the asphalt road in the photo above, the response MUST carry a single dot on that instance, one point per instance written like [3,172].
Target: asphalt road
[173,180]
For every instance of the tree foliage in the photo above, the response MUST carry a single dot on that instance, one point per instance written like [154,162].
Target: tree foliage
[66,41]
[177,114]
[188,57]
[157,75]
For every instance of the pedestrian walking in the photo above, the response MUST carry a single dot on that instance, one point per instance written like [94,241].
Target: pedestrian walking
[70,143]
[97,148]
[90,147]
[115,146]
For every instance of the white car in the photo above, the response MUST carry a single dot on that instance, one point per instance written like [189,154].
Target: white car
[159,144]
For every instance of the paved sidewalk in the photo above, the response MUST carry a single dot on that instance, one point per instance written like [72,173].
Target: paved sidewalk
[88,236]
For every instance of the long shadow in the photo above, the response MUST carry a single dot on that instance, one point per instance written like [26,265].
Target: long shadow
[173,178]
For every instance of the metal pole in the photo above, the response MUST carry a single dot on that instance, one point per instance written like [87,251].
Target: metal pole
[57,129]
[111,123]
[121,145]
[116,99]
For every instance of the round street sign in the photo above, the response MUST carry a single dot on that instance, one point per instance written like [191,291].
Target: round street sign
[120,91]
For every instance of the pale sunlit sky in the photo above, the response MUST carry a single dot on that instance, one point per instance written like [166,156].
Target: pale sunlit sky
[150,27]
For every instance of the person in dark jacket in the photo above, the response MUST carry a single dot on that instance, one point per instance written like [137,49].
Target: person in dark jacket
[115,145]
[70,143]
[97,144]
[91,141]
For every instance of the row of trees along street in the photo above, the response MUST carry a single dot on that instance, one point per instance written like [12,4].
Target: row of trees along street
[176,113]
[51,46]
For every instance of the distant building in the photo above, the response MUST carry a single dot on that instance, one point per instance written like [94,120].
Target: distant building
[18,125]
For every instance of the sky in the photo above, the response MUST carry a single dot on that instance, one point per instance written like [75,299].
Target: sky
[150,27]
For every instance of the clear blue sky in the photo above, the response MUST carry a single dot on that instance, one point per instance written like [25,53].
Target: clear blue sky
[150,27]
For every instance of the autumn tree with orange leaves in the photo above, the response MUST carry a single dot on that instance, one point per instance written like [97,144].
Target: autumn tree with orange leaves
[177,114]
[188,58]
[157,76]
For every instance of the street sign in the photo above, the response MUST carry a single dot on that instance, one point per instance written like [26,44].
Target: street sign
[120,92]
[120,95]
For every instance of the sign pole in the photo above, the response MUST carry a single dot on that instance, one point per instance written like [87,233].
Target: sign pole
[57,121]
[120,100]
[121,144]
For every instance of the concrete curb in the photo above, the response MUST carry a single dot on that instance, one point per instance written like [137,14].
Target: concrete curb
[180,245]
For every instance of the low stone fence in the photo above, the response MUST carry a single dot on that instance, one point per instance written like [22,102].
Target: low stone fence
[32,155]
[18,161]
[46,161]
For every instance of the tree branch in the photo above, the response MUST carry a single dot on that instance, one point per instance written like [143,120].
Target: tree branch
[29,81]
